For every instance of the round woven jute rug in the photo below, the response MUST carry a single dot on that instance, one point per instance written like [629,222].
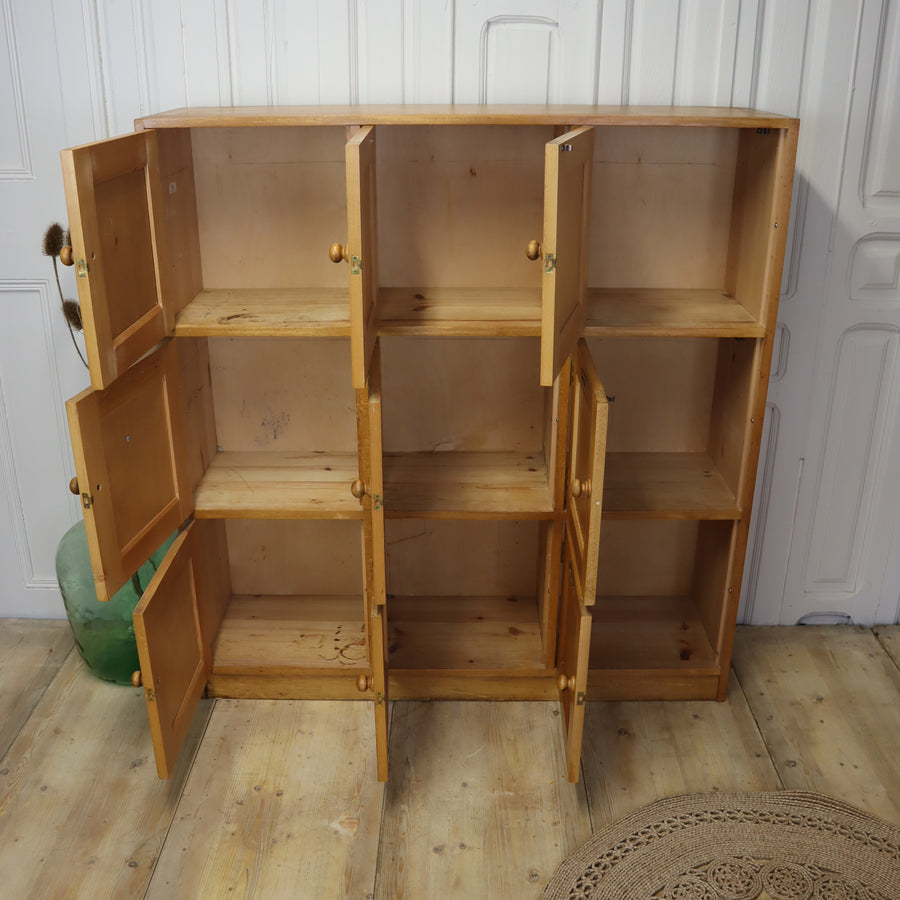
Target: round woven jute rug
[764,846]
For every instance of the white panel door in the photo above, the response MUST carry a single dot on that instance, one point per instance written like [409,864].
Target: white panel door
[846,543]
[38,364]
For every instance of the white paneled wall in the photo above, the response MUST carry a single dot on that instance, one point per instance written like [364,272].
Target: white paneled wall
[825,535]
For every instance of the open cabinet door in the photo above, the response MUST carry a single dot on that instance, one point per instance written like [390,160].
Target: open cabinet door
[371,470]
[568,164]
[117,222]
[362,250]
[130,461]
[175,660]
[588,417]
[588,411]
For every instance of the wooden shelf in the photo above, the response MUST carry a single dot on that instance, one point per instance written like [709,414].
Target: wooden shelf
[650,633]
[460,312]
[666,486]
[667,312]
[267,485]
[290,634]
[464,633]
[289,312]
[463,485]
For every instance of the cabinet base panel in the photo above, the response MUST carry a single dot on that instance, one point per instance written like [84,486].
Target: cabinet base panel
[417,684]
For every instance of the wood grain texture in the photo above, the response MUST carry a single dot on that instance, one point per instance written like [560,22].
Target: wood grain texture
[272,312]
[467,485]
[282,802]
[84,814]
[462,114]
[827,700]
[278,485]
[666,485]
[32,650]
[478,803]
[667,312]
[635,753]
[889,638]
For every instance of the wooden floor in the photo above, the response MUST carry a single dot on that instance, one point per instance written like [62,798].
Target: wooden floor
[279,798]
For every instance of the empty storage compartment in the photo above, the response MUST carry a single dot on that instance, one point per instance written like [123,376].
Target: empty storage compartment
[464,596]
[281,415]
[679,426]
[295,611]
[269,202]
[468,432]
[457,207]
[679,218]
[659,615]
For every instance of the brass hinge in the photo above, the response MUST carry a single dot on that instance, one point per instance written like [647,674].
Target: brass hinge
[87,500]
[379,698]
[150,695]
[378,501]
[81,268]
[549,262]
[579,698]
[355,265]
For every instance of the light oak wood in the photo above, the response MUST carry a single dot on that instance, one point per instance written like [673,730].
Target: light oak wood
[118,228]
[278,485]
[825,699]
[459,311]
[174,655]
[464,633]
[650,633]
[291,635]
[589,416]
[568,166]
[666,486]
[889,638]
[467,485]
[269,810]
[32,652]
[130,455]
[362,225]
[635,753]
[472,114]
[667,312]
[84,813]
[502,821]
[273,312]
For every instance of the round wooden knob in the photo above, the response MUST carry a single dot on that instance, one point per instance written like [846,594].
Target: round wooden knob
[137,679]
[73,486]
[580,488]
[566,682]
[65,256]
[358,489]
[338,253]
[364,683]
[533,249]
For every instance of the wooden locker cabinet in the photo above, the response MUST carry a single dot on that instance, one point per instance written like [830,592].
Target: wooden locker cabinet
[359,357]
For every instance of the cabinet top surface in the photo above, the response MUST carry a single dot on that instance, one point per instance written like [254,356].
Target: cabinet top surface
[455,114]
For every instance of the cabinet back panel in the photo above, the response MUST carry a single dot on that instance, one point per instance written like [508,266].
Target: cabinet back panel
[450,558]
[650,558]
[456,206]
[463,394]
[295,557]
[663,389]
[270,202]
[662,202]
[286,394]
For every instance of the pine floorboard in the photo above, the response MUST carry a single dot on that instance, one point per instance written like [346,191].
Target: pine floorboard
[279,798]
